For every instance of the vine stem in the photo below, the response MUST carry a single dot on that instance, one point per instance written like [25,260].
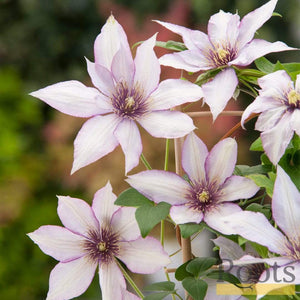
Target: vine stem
[145,162]
[129,280]
[231,113]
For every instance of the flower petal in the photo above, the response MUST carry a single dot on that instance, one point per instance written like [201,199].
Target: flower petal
[255,227]
[254,20]
[237,187]
[194,153]
[182,214]
[219,91]
[258,48]
[112,282]
[109,41]
[286,205]
[268,119]
[94,140]
[58,242]
[221,161]
[167,124]
[276,140]
[223,27]
[71,279]
[295,121]
[71,97]
[101,77]
[128,135]
[123,67]
[124,224]
[215,217]
[161,186]
[228,248]
[76,215]
[173,92]
[144,256]
[103,204]
[147,68]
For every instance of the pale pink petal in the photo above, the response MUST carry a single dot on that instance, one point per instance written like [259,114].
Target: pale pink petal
[108,42]
[237,187]
[228,248]
[286,205]
[94,140]
[103,204]
[182,214]
[144,256]
[189,60]
[221,161]
[193,39]
[255,227]
[123,67]
[223,27]
[128,135]
[167,124]
[215,217]
[58,242]
[173,92]
[254,20]
[71,97]
[129,296]
[124,224]
[258,48]
[276,140]
[295,121]
[112,282]
[297,85]
[161,186]
[260,104]
[147,68]
[71,279]
[268,119]
[194,153]
[101,77]
[219,91]
[76,215]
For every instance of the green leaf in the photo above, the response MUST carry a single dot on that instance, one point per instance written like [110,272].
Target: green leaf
[195,287]
[188,229]
[148,216]
[220,275]
[171,45]
[182,273]
[261,250]
[260,208]
[200,264]
[243,170]
[263,181]
[157,296]
[264,65]
[161,286]
[257,145]
[132,197]
[276,14]
[204,77]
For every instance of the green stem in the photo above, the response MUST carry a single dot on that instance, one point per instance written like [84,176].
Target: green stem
[145,162]
[129,280]
[178,296]
[162,232]
[166,166]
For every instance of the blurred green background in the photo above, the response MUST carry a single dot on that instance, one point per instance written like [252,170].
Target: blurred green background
[43,42]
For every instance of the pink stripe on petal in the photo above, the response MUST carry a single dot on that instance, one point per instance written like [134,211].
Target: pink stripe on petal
[144,256]
[128,135]
[76,215]
[71,97]
[58,242]
[71,279]
[94,140]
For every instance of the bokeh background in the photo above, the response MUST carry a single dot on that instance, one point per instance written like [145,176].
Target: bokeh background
[43,42]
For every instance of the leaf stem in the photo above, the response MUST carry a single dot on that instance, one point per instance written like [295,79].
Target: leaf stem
[129,280]
[145,162]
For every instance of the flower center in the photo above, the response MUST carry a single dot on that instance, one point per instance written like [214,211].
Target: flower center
[221,55]
[102,245]
[128,102]
[203,196]
[294,99]
[294,250]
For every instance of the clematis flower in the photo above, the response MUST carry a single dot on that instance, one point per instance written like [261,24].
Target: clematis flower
[286,243]
[279,105]
[229,42]
[96,236]
[211,187]
[126,92]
